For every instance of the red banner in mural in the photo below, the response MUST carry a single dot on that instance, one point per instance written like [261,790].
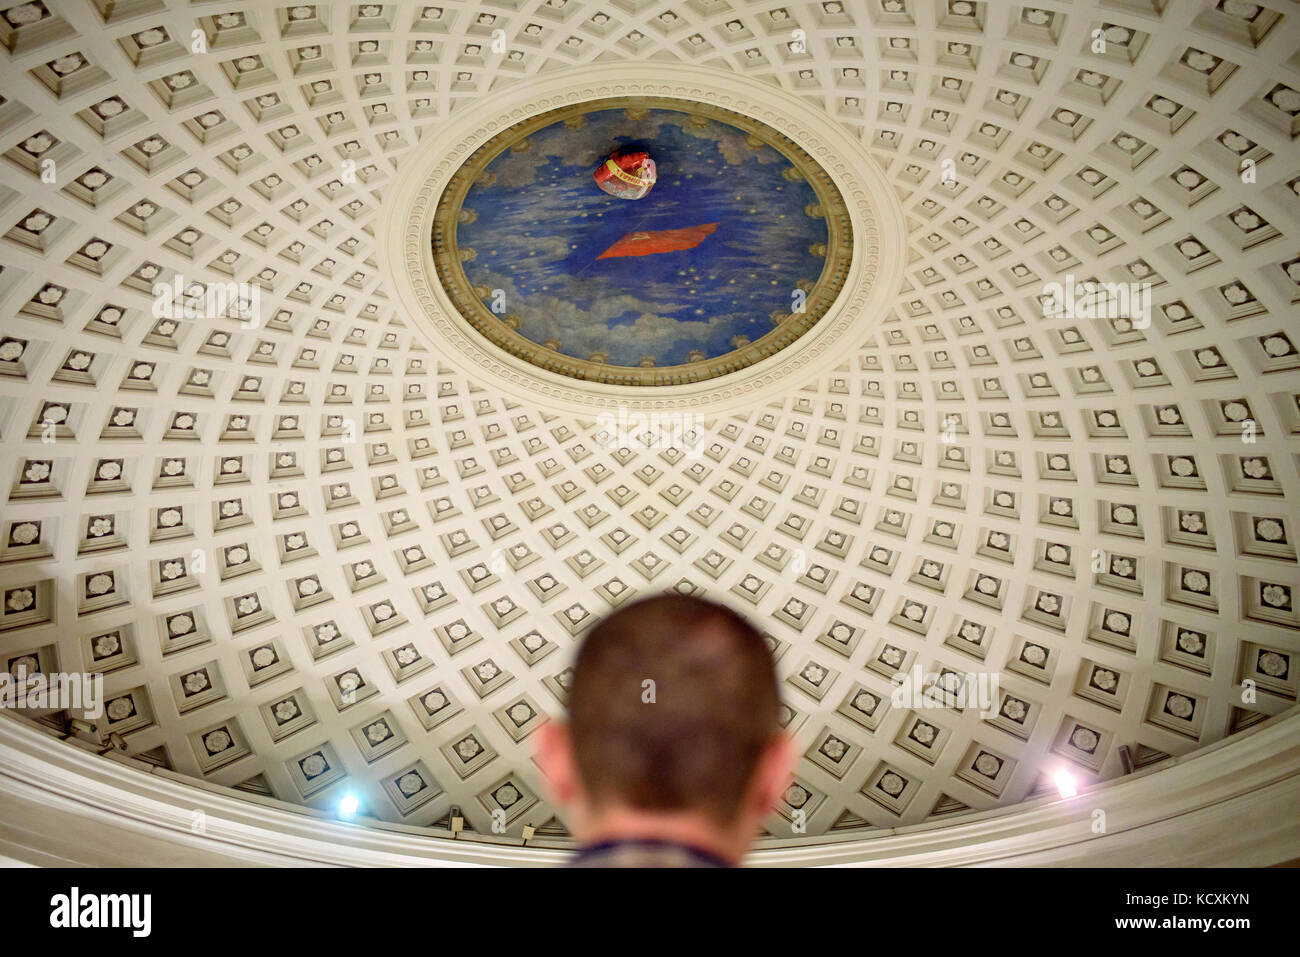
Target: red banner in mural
[659,241]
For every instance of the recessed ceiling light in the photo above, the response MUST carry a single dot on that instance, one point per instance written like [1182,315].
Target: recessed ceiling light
[1065,783]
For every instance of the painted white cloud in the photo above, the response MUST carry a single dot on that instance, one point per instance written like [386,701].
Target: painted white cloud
[584,331]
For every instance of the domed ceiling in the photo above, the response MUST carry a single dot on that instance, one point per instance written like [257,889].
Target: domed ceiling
[313,555]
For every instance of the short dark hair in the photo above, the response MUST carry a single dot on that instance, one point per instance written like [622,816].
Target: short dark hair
[690,741]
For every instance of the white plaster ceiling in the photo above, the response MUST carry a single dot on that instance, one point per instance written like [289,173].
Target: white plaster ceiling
[200,472]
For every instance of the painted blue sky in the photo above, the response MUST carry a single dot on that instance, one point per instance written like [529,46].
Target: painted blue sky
[540,221]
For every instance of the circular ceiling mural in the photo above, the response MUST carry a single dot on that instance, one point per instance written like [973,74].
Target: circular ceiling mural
[739,248]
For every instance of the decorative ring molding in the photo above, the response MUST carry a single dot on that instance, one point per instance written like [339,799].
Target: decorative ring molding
[875,270]
[828,284]
[1217,807]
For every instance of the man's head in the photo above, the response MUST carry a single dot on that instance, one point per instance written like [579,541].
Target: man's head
[673,728]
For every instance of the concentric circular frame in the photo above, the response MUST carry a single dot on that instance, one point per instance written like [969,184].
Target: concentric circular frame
[875,269]
[829,284]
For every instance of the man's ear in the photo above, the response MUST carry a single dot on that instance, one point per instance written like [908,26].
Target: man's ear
[558,763]
[773,774]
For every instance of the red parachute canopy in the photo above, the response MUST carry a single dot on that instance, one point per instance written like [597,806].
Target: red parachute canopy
[659,241]
[626,175]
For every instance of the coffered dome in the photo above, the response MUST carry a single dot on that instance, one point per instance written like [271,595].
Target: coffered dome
[349,547]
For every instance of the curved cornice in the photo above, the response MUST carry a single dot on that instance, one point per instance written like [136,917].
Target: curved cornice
[1216,807]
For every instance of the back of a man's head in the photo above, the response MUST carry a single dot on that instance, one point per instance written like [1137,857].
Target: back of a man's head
[672,703]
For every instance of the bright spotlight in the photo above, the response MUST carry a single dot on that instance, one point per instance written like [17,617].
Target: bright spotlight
[1065,783]
[348,805]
